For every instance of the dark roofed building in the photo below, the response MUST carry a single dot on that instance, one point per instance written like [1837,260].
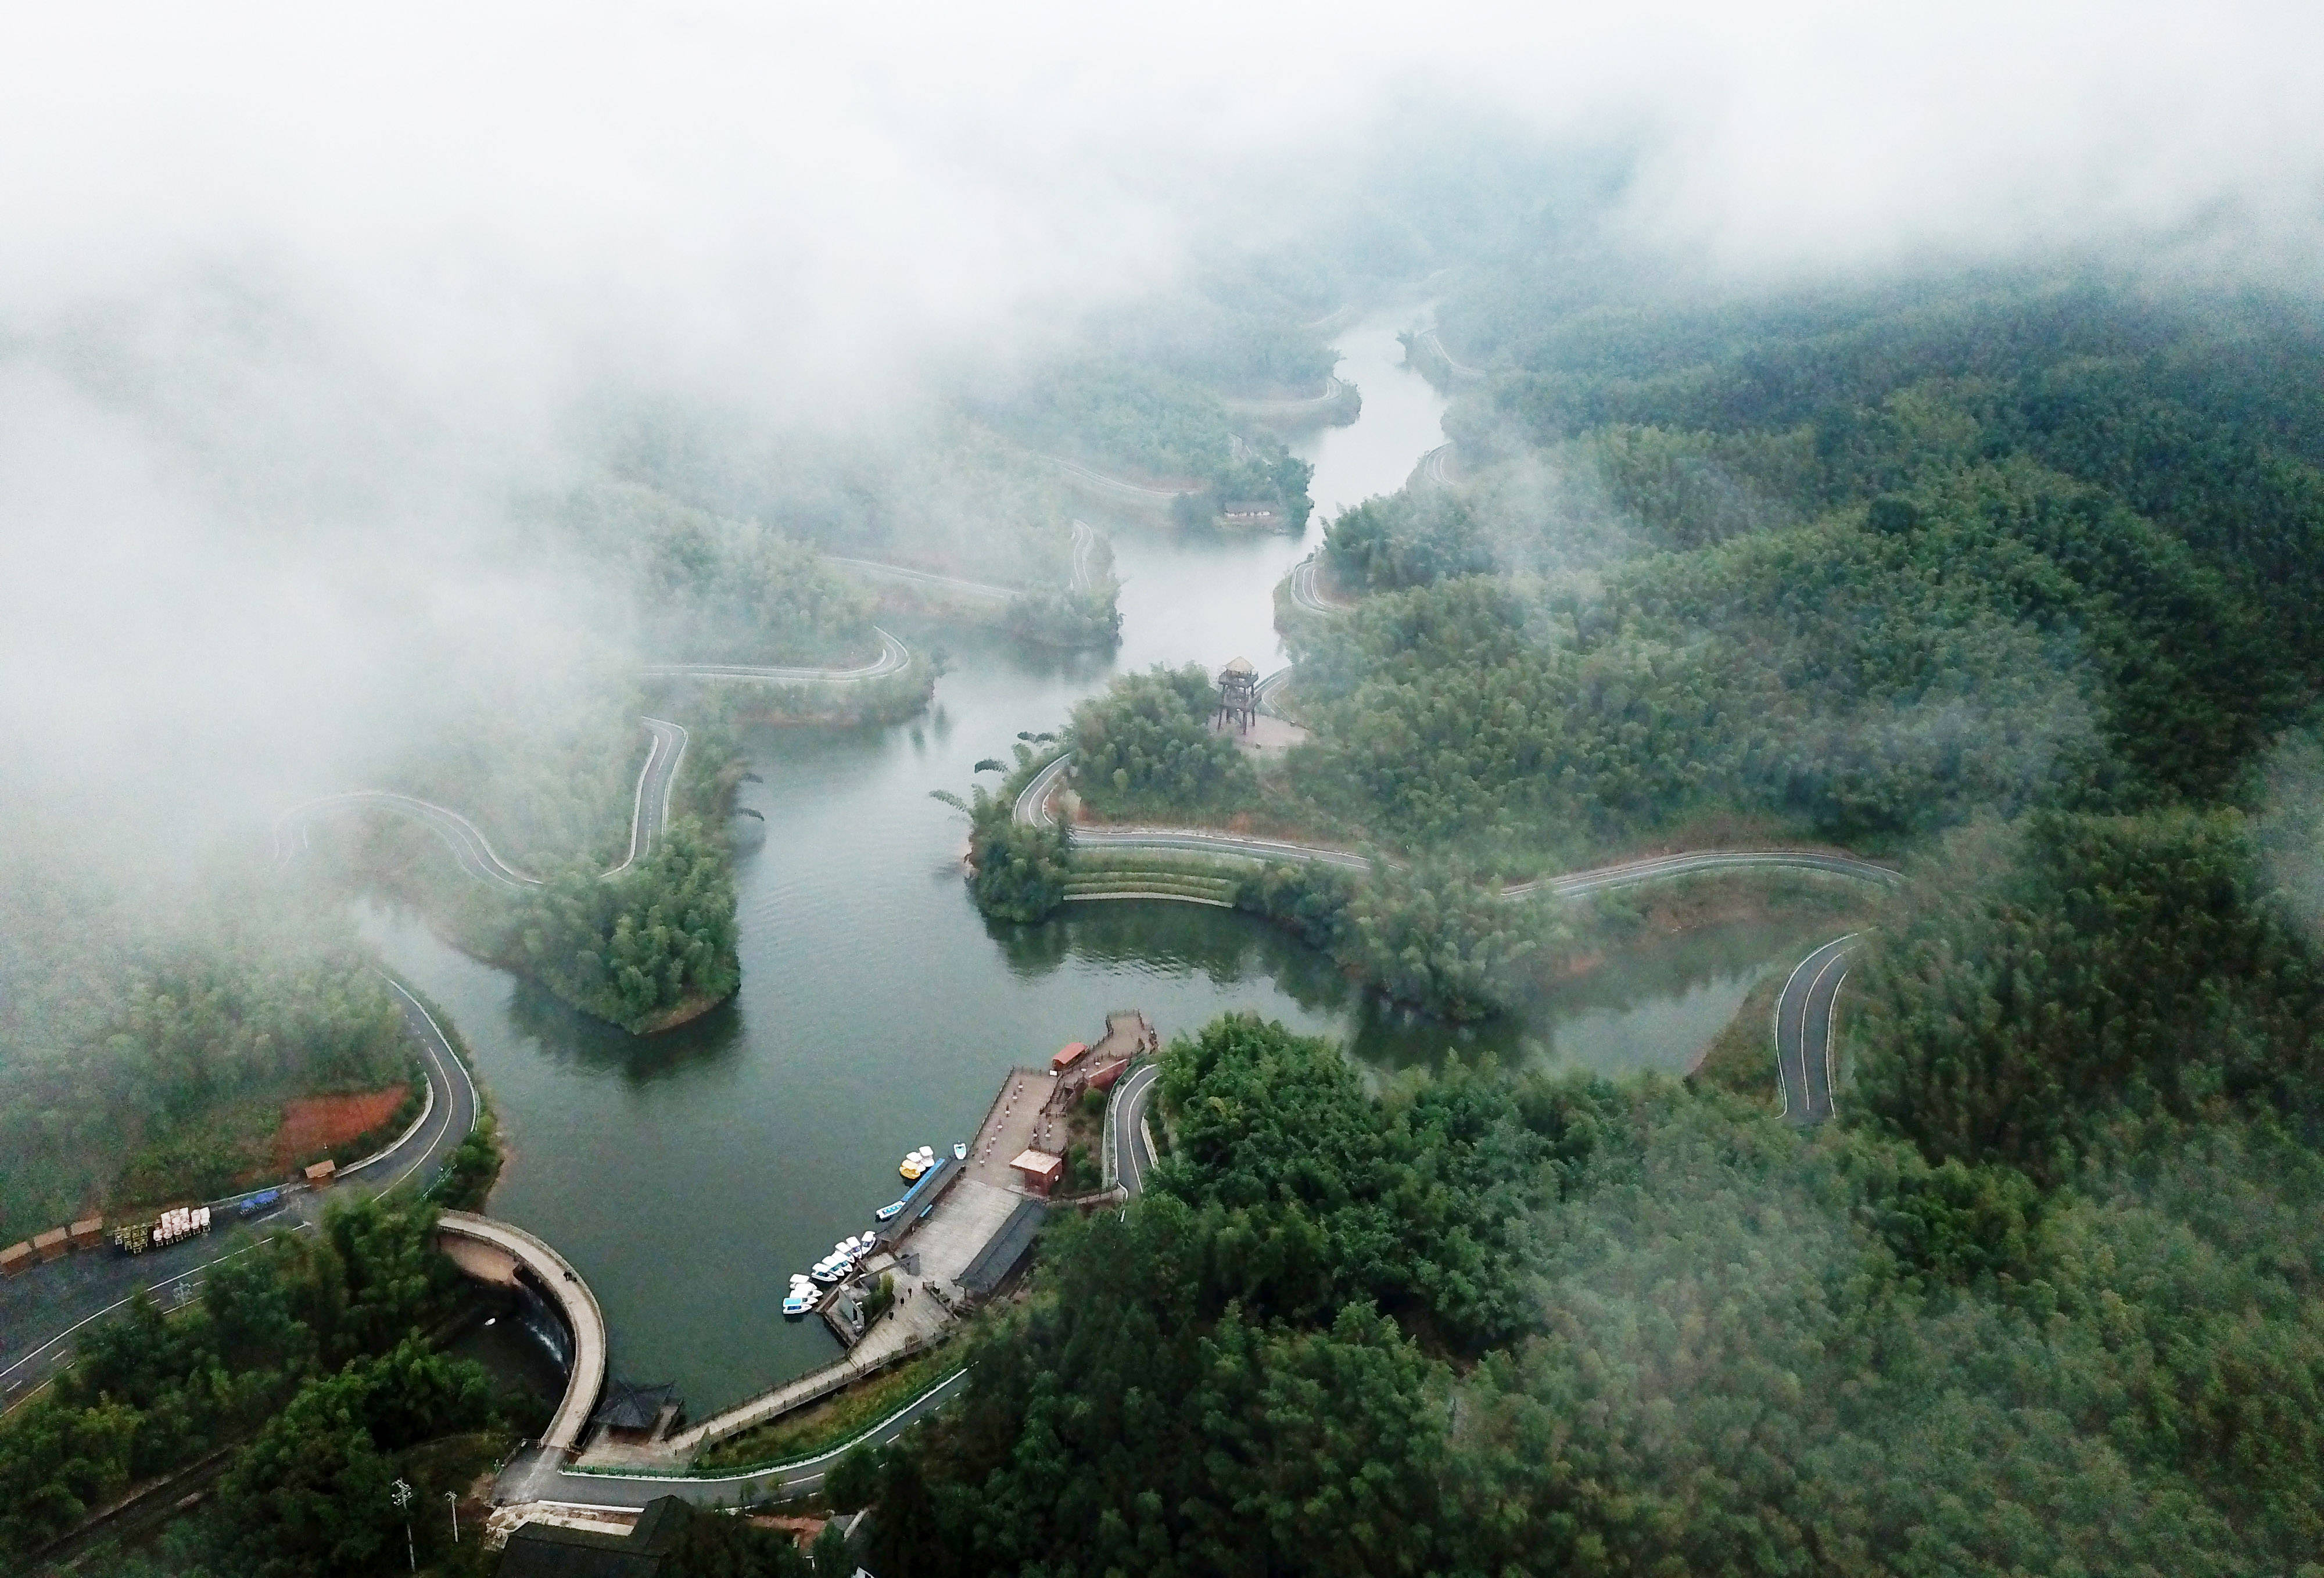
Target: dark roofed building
[1002,1253]
[548,1550]
[631,1409]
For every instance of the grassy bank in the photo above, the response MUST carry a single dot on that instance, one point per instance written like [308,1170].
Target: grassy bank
[835,1420]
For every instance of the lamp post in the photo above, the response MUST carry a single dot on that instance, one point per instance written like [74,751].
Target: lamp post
[401,1494]
[454,1498]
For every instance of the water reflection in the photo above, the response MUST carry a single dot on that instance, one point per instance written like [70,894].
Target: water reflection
[686,1175]
[587,1045]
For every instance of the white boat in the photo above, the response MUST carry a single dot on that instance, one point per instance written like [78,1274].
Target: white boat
[889,1212]
[827,1274]
[799,1303]
[960,1150]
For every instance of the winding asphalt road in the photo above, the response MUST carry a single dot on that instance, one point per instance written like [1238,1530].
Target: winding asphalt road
[1336,390]
[1435,468]
[1804,1031]
[1803,1013]
[59,1300]
[1085,544]
[649,815]
[1035,808]
[894,656]
[1128,1111]
[887,572]
[1431,345]
[1142,494]
[649,803]
[1303,592]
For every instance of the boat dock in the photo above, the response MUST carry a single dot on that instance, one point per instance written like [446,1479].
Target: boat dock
[965,1228]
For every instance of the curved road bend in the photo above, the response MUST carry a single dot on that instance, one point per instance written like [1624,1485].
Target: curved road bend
[1034,809]
[894,656]
[1435,468]
[1803,1030]
[1649,868]
[650,804]
[464,838]
[1085,541]
[1335,390]
[1128,1114]
[1147,494]
[1457,372]
[60,1299]
[649,815]
[1303,592]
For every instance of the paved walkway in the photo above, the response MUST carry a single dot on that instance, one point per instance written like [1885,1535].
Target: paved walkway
[536,1476]
[912,1324]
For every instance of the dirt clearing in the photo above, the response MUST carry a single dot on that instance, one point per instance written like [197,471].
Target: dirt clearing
[313,1125]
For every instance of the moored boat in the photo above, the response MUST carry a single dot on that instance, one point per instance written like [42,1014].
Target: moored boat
[889,1211]
[960,1150]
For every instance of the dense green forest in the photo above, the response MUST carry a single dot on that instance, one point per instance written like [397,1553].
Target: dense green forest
[1247,324]
[645,948]
[2011,582]
[1132,417]
[640,947]
[707,590]
[1862,572]
[138,1027]
[1477,1323]
[930,488]
[1146,745]
[1017,873]
[308,1360]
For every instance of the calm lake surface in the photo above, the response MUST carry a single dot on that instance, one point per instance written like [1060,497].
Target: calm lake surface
[688,1176]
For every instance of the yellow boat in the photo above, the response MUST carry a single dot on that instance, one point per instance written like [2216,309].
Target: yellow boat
[918,1162]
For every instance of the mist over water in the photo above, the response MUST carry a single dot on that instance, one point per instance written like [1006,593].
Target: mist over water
[688,1175]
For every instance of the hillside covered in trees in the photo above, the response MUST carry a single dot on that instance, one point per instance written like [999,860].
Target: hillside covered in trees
[145,1034]
[1858,569]
[645,946]
[1483,1325]
[309,1364]
[2011,583]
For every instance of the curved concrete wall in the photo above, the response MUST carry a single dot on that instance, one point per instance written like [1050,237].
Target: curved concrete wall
[562,1283]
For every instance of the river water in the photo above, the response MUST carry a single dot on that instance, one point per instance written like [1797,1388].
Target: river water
[688,1176]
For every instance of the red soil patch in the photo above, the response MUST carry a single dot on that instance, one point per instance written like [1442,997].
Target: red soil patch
[319,1124]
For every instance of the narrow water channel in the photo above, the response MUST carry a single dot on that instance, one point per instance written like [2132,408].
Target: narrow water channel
[688,1176]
